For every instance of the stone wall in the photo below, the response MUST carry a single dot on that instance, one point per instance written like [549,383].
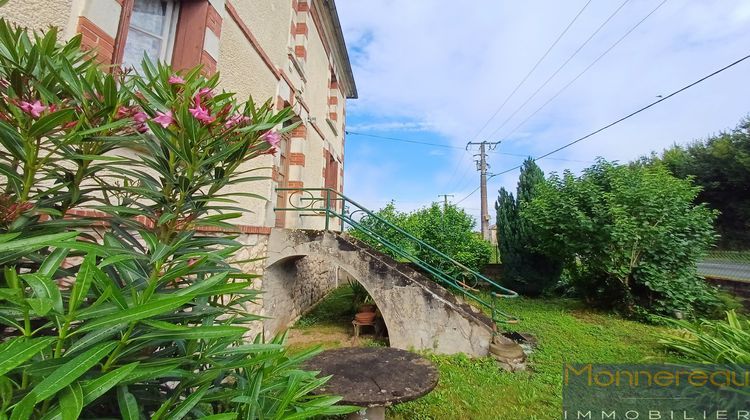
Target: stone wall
[291,287]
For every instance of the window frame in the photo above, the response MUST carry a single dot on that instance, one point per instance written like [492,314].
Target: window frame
[167,37]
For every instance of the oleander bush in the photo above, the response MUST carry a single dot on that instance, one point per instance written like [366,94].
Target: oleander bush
[112,301]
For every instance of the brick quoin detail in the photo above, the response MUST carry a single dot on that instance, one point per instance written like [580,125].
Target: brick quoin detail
[333,100]
[300,51]
[280,102]
[333,116]
[94,38]
[334,84]
[296,184]
[302,6]
[299,131]
[301,29]
[209,63]
[297,159]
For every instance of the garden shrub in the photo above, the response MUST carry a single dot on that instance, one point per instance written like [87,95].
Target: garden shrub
[630,237]
[129,311]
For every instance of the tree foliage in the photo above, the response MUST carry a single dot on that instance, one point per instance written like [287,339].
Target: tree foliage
[112,303]
[721,166]
[525,268]
[630,237]
[449,229]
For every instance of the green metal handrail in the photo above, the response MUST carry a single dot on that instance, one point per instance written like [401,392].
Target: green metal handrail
[451,273]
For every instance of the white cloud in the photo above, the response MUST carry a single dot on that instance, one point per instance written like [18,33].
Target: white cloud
[446,66]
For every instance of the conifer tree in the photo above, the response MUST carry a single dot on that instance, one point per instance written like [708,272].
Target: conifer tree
[524,267]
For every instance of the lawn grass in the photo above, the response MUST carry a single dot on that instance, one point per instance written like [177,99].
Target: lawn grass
[566,331]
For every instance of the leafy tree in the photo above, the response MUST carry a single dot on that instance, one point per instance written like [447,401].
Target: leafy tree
[630,237]
[391,215]
[721,166]
[525,268]
[447,229]
[129,311]
[450,230]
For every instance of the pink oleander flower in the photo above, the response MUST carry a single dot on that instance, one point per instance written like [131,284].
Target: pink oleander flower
[206,92]
[176,80]
[164,119]
[34,109]
[200,113]
[140,119]
[272,137]
[123,112]
[236,120]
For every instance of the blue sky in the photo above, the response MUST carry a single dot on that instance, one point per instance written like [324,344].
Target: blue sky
[436,71]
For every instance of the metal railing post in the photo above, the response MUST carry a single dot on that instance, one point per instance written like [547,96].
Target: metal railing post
[328,208]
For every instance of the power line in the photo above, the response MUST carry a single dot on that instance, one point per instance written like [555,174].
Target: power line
[584,70]
[565,63]
[455,170]
[424,143]
[632,114]
[546,53]
[525,156]
[419,142]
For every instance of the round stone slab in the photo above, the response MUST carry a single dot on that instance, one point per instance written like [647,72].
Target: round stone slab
[374,376]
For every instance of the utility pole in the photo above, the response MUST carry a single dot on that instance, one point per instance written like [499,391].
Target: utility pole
[482,167]
[445,200]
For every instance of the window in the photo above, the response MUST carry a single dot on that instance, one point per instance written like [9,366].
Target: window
[151,31]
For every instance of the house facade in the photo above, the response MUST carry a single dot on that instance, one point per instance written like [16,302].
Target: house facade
[291,51]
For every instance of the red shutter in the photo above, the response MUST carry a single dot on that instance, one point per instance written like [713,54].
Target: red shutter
[191,30]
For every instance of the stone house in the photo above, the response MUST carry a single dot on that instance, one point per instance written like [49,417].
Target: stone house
[292,51]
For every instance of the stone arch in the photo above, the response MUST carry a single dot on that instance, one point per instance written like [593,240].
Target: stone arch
[294,284]
[301,269]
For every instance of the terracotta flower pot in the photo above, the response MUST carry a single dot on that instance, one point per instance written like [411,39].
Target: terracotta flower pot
[367,307]
[364,317]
